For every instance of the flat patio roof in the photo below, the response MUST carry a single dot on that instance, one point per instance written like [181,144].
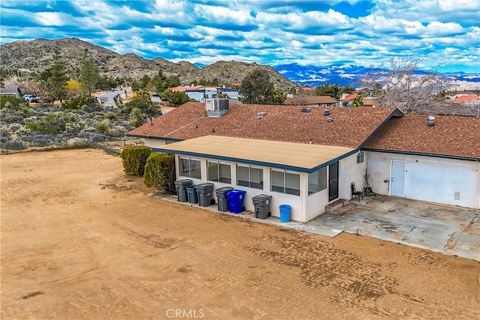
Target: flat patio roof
[286,155]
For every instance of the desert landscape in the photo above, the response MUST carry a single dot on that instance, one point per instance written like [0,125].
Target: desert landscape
[80,240]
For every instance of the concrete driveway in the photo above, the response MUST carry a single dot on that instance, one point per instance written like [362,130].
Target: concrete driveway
[446,229]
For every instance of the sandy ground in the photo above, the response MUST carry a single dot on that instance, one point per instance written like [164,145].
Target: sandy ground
[81,241]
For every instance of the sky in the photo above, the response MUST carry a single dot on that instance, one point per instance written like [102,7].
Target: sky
[442,35]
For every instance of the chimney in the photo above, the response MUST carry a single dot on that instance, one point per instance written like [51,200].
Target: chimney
[217,107]
[431,121]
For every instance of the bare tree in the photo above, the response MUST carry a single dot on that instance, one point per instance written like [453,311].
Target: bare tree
[404,87]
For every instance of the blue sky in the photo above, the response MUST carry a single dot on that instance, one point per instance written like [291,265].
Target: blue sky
[440,34]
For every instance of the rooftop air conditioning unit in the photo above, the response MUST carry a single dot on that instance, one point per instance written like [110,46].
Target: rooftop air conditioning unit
[216,107]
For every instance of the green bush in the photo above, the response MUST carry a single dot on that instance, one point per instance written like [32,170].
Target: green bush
[103,126]
[77,102]
[160,172]
[12,103]
[134,159]
[52,123]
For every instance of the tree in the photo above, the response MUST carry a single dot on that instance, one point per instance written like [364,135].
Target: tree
[56,78]
[89,74]
[332,90]
[357,102]
[401,86]
[142,102]
[256,88]
[174,98]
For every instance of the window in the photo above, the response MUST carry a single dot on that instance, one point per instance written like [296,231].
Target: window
[360,157]
[317,181]
[219,172]
[190,168]
[249,176]
[285,182]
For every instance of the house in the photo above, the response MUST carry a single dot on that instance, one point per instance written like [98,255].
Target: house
[347,99]
[309,157]
[306,100]
[200,93]
[371,102]
[467,99]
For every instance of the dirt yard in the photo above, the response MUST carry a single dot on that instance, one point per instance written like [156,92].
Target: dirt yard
[81,241]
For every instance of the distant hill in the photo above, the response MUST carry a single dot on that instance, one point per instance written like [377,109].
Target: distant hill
[36,55]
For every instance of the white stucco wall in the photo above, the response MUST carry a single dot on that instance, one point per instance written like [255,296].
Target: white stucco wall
[154,143]
[298,206]
[351,171]
[428,178]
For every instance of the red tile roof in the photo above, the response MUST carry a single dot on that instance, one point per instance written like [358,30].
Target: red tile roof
[463,99]
[350,97]
[451,136]
[350,128]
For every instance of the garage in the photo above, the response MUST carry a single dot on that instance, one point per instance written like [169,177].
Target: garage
[448,183]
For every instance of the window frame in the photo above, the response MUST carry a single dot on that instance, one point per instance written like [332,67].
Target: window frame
[325,182]
[360,157]
[284,172]
[190,159]
[262,181]
[218,164]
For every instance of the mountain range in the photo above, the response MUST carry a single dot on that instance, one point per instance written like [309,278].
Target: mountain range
[310,75]
[36,55]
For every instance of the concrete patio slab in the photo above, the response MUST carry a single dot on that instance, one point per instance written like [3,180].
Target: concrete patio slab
[446,229]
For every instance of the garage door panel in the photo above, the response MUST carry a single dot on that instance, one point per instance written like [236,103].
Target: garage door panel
[439,182]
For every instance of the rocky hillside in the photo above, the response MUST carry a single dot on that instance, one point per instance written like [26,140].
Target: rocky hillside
[36,55]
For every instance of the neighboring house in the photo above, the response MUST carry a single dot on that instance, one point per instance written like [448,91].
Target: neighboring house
[466,99]
[309,157]
[347,99]
[200,93]
[371,102]
[452,95]
[304,100]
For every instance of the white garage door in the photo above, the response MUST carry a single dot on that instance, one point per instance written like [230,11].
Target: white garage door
[439,182]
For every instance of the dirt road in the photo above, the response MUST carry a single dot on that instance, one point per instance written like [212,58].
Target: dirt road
[81,241]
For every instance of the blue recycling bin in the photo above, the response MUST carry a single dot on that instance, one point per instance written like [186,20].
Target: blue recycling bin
[285,213]
[236,200]
[192,194]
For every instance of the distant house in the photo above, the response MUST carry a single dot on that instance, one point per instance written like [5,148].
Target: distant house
[200,93]
[309,158]
[452,95]
[347,99]
[466,99]
[307,100]
[372,102]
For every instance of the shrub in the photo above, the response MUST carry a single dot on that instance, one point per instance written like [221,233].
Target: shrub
[103,126]
[77,102]
[52,123]
[160,172]
[11,103]
[134,159]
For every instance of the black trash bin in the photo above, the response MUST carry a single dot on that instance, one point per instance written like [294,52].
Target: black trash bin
[262,203]
[205,194]
[192,194]
[180,186]
[222,198]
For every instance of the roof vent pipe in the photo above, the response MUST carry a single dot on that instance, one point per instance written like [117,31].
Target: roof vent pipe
[431,121]
[326,112]
[329,120]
